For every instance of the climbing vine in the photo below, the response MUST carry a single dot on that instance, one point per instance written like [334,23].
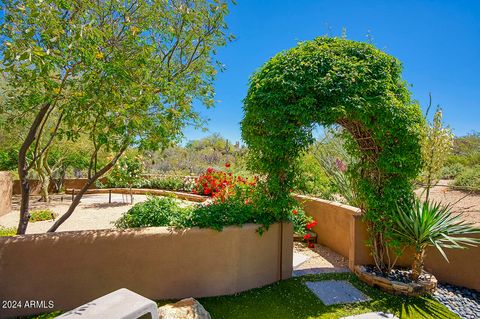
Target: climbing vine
[330,81]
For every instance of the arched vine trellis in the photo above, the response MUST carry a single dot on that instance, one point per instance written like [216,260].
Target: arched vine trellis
[331,81]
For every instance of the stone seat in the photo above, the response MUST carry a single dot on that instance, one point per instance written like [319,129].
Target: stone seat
[120,304]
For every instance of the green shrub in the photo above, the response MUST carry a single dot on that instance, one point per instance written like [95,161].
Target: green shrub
[41,215]
[127,171]
[469,178]
[7,231]
[156,211]
[219,214]
[312,178]
[452,171]
[171,183]
[235,210]
[100,185]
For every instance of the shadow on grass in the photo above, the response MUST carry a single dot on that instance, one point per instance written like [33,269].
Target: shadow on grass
[291,299]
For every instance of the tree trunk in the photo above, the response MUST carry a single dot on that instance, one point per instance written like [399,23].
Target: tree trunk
[41,168]
[417,266]
[23,169]
[44,192]
[58,182]
[24,203]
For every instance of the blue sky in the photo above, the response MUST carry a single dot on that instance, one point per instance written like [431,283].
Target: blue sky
[438,43]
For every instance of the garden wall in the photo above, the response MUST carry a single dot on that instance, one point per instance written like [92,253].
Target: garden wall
[147,191]
[69,183]
[341,228]
[5,193]
[72,268]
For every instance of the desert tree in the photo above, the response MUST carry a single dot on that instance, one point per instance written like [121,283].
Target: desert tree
[122,73]
[437,145]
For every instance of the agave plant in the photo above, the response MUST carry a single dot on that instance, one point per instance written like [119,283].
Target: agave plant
[432,224]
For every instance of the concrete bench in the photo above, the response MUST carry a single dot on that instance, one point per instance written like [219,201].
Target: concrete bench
[120,304]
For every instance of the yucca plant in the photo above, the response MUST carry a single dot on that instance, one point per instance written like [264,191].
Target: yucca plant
[431,224]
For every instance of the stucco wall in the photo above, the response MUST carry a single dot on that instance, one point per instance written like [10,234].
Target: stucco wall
[334,222]
[5,193]
[72,268]
[69,183]
[341,228]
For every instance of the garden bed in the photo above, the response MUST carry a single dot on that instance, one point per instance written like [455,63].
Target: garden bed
[397,282]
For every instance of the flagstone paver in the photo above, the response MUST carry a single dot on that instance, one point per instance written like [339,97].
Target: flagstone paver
[332,292]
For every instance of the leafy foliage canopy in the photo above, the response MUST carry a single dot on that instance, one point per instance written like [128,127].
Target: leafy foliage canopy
[330,81]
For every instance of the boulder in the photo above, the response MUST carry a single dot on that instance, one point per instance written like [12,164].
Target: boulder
[188,308]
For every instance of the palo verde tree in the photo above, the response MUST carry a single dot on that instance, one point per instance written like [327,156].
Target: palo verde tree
[122,73]
[437,145]
[330,81]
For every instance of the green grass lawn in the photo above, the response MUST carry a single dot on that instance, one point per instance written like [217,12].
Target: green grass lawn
[291,299]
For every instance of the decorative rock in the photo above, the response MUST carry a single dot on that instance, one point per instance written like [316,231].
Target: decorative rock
[188,308]
[463,301]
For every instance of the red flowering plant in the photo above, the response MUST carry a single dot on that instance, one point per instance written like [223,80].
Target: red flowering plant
[302,223]
[212,182]
[221,185]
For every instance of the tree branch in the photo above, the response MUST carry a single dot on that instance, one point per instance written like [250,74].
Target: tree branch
[83,190]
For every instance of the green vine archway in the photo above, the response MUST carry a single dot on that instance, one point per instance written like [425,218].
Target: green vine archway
[331,81]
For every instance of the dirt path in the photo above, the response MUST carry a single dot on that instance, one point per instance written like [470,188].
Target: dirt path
[465,203]
[94,212]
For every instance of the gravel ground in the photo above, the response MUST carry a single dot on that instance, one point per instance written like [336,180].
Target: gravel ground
[94,212]
[464,302]
[322,260]
[400,275]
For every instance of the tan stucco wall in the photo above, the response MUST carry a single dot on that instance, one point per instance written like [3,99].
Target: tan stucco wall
[341,228]
[72,268]
[68,183]
[463,268]
[334,222]
[6,184]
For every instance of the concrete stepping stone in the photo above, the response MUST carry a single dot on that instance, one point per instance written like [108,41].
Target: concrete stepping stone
[299,259]
[332,292]
[372,315]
